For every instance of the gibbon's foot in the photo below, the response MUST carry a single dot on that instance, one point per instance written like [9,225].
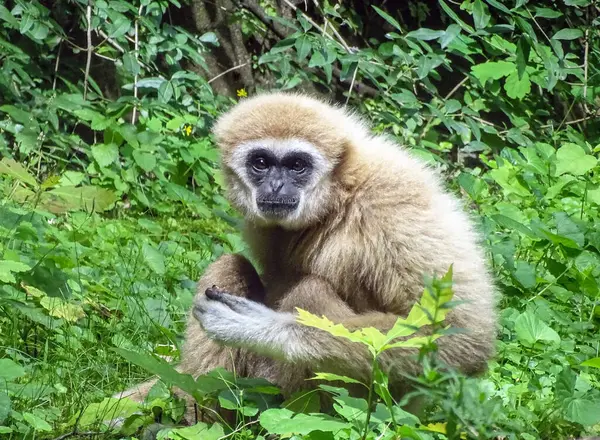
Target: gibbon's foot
[237,321]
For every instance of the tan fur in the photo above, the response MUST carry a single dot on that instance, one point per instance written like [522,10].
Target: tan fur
[386,222]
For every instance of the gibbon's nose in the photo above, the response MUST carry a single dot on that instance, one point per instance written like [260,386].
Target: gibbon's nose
[276,185]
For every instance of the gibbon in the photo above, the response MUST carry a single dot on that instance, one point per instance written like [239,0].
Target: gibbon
[343,223]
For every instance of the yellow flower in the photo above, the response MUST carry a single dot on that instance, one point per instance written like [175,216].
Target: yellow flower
[187,130]
[241,93]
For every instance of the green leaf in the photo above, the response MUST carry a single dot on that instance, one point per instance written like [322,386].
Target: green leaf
[37,423]
[583,411]
[572,159]
[425,34]
[85,198]
[105,154]
[15,170]
[530,330]
[594,362]
[199,431]
[303,402]
[17,114]
[523,50]
[524,273]
[517,88]
[303,46]
[165,91]
[5,407]
[209,37]
[335,377]
[448,10]
[493,70]
[284,422]
[387,17]
[547,13]
[154,259]
[10,370]
[107,410]
[145,160]
[130,63]
[449,35]
[568,34]
[6,16]
[481,16]
[317,59]
[8,267]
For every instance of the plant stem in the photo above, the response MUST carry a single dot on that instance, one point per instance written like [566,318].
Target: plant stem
[370,398]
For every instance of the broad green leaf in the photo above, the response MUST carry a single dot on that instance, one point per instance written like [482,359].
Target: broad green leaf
[594,362]
[449,35]
[583,411]
[505,177]
[5,407]
[36,423]
[10,370]
[530,330]
[317,59]
[8,267]
[60,308]
[209,37]
[565,227]
[85,197]
[492,70]
[572,159]
[130,63]
[145,160]
[165,92]
[517,88]
[284,422]
[17,114]
[17,171]
[107,410]
[568,34]
[547,13]
[303,46]
[481,16]
[524,273]
[154,259]
[199,431]
[303,402]
[105,154]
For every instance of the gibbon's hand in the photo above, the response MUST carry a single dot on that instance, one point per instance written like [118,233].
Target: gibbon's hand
[237,321]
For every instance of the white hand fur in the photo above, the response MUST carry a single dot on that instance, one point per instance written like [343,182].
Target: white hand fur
[239,322]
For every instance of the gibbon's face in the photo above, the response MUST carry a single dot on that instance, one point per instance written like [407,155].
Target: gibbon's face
[284,180]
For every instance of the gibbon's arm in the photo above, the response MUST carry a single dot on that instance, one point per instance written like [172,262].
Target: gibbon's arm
[239,322]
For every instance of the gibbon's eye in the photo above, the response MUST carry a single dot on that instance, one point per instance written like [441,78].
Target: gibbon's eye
[259,164]
[299,165]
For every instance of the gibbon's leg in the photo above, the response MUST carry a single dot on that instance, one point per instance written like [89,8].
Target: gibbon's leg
[200,354]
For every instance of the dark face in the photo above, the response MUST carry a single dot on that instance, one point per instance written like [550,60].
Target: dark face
[279,181]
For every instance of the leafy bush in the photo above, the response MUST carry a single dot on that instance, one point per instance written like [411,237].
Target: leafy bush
[112,207]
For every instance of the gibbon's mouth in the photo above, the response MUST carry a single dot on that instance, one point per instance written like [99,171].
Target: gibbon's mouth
[277,207]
